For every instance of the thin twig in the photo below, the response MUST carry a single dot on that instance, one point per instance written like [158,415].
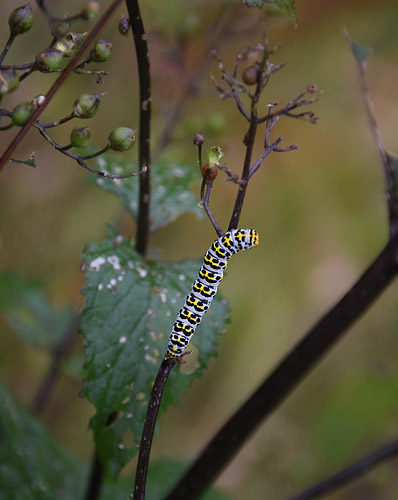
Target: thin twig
[7,47]
[149,427]
[289,373]
[60,80]
[389,175]
[353,471]
[205,197]
[80,159]
[144,154]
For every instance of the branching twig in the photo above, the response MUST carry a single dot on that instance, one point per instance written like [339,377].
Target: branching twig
[290,371]
[353,471]
[60,80]
[205,196]
[80,159]
[141,49]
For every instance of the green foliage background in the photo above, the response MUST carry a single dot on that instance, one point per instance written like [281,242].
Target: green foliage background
[321,217]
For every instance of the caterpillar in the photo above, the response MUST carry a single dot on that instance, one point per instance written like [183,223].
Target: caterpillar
[204,288]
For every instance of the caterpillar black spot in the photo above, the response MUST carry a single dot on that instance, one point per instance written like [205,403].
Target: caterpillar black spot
[204,288]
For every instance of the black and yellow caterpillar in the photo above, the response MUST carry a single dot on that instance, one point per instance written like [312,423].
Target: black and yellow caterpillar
[205,286]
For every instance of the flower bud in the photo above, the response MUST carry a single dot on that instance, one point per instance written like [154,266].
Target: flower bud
[121,138]
[102,51]
[86,105]
[22,112]
[20,20]
[9,81]
[70,43]
[124,25]
[49,60]
[80,137]
[198,140]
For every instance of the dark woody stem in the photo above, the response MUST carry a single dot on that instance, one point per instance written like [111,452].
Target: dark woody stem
[353,471]
[141,49]
[287,375]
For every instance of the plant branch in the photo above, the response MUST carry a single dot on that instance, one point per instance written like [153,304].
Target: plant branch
[290,371]
[60,80]
[49,381]
[144,160]
[332,483]
[205,197]
[80,159]
[149,427]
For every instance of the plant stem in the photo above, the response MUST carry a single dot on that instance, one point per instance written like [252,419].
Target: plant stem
[387,452]
[290,371]
[149,427]
[141,49]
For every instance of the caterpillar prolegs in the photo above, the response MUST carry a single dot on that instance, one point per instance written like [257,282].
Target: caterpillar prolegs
[205,286]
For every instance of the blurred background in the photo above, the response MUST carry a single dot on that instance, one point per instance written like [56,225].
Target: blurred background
[320,213]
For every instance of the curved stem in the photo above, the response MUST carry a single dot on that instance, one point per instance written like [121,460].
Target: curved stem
[284,378]
[149,427]
[144,159]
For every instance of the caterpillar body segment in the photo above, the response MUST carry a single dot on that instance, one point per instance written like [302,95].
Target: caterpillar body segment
[204,288]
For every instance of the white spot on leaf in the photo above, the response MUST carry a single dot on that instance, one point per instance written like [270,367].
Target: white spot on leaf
[114,261]
[123,340]
[97,263]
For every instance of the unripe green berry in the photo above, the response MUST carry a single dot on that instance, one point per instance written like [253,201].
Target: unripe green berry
[102,51]
[22,112]
[70,43]
[20,20]
[9,81]
[49,60]
[121,138]
[80,137]
[86,105]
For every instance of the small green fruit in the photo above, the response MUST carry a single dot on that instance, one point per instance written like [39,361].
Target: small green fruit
[22,112]
[9,81]
[121,138]
[49,60]
[102,51]
[80,137]
[86,106]
[20,20]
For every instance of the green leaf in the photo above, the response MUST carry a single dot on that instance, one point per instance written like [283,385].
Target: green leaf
[32,463]
[170,194]
[129,309]
[30,162]
[361,52]
[287,5]
[29,312]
